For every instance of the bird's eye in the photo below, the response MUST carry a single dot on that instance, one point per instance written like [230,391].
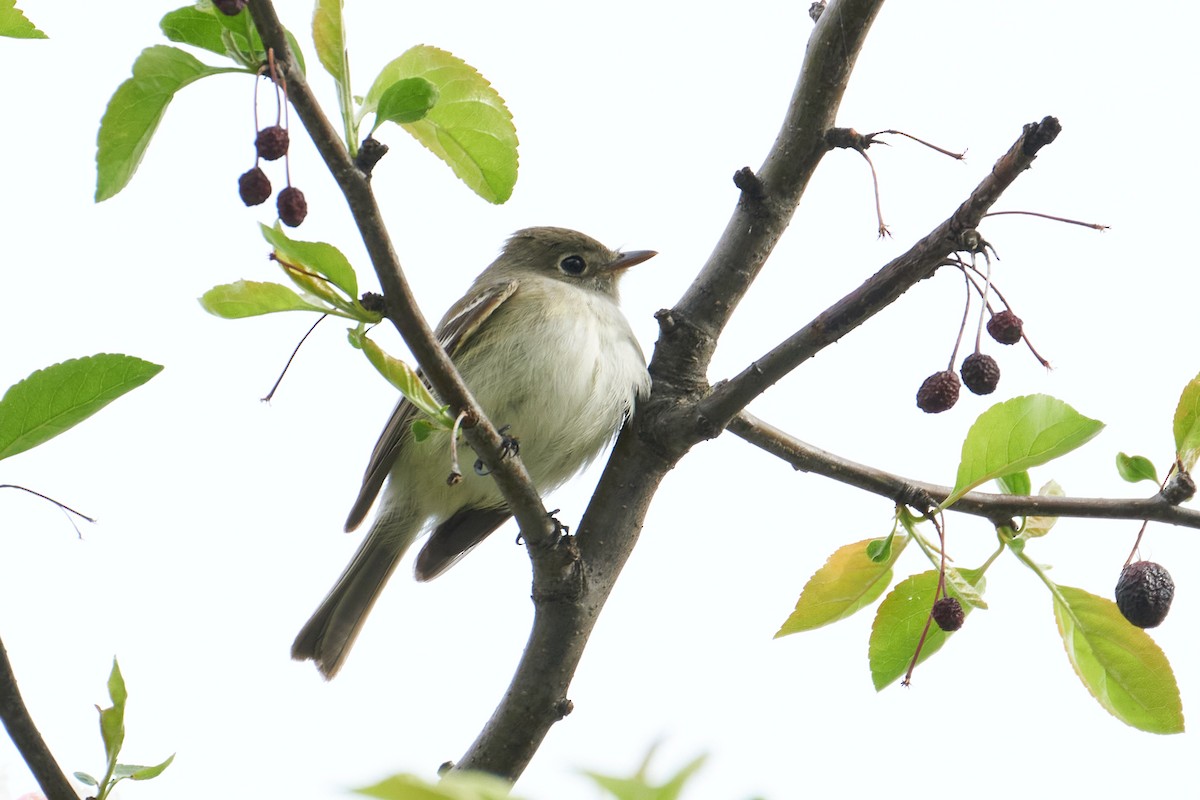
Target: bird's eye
[573,265]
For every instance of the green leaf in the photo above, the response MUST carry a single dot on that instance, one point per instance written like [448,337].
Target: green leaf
[849,581]
[639,787]
[1187,424]
[329,38]
[469,128]
[1018,434]
[405,101]
[112,719]
[61,396]
[1039,526]
[252,298]
[14,24]
[137,773]
[1136,468]
[403,377]
[319,257]
[453,786]
[135,110]
[191,25]
[901,618]
[1119,664]
[83,777]
[1017,483]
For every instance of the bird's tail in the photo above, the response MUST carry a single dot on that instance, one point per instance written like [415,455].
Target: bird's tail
[326,638]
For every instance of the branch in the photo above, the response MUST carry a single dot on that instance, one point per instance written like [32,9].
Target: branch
[25,736]
[880,290]
[567,604]
[510,475]
[997,508]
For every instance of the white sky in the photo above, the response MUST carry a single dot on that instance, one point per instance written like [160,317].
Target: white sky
[220,516]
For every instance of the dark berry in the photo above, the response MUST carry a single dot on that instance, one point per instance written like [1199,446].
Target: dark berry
[292,206]
[980,373]
[1005,327]
[229,8]
[271,143]
[938,393]
[254,187]
[1179,489]
[948,614]
[1144,593]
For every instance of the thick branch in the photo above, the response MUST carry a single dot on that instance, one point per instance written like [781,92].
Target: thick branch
[26,737]
[568,604]
[402,310]
[998,508]
[880,290]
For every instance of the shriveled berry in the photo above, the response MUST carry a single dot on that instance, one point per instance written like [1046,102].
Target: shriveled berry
[1144,593]
[1005,327]
[980,373]
[229,8]
[292,206]
[948,614]
[938,393]
[271,143]
[369,153]
[254,187]
[1180,488]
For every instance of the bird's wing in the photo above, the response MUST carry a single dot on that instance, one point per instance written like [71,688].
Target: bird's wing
[454,333]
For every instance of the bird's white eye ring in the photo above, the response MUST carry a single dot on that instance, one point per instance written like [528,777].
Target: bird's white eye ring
[573,265]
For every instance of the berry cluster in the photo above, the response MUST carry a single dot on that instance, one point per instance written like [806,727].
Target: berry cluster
[980,372]
[271,144]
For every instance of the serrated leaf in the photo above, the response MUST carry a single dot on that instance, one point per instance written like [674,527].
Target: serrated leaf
[1016,483]
[15,25]
[135,110]
[469,128]
[252,298]
[453,786]
[1018,434]
[402,376]
[329,38]
[190,25]
[407,100]
[1136,468]
[1037,525]
[61,396]
[319,257]
[848,581]
[1186,425]
[1122,667]
[901,618]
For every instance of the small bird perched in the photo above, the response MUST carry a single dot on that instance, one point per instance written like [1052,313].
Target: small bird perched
[541,342]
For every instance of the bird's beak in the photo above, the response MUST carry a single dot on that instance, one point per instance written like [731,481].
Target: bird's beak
[626,260]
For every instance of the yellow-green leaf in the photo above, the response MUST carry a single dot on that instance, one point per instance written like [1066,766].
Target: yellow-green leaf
[329,38]
[15,25]
[1122,667]
[901,618]
[847,582]
[251,298]
[469,127]
[1187,424]
[1018,434]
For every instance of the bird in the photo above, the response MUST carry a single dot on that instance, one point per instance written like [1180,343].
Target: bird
[540,340]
